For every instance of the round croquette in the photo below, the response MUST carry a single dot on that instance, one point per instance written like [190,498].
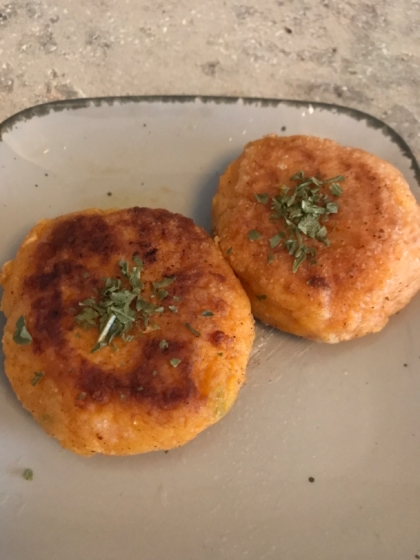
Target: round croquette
[174,371]
[364,269]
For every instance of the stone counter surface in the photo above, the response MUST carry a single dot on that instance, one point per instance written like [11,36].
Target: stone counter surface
[362,54]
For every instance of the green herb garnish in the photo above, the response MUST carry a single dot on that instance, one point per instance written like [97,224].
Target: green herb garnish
[207,313]
[120,305]
[163,283]
[228,252]
[276,239]
[304,209]
[81,396]
[192,329]
[335,188]
[263,198]
[175,362]
[163,344]
[21,335]
[270,257]
[173,308]
[127,337]
[38,375]
[253,235]
[28,474]
[262,297]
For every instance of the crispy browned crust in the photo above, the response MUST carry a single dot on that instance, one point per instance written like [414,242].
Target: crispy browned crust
[372,267]
[112,401]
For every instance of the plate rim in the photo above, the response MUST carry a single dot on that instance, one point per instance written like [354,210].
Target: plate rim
[44,109]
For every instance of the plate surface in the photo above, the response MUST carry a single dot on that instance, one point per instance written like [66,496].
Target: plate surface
[346,415]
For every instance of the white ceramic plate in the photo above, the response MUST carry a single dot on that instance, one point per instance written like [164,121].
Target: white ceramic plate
[347,415]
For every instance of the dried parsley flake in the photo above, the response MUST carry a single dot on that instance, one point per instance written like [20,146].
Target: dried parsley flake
[38,375]
[304,209]
[120,305]
[21,334]
[253,235]
[192,329]
[28,474]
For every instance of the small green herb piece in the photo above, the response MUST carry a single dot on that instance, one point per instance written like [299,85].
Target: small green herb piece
[28,474]
[192,329]
[177,298]
[86,275]
[262,297]
[127,337]
[138,261]
[154,373]
[270,257]
[140,388]
[173,308]
[263,198]
[276,239]
[253,235]
[228,252]
[123,264]
[21,335]
[335,188]
[175,362]
[38,375]
[162,294]
[220,353]
[163,283]
[163,344]
[81,396]
[98,346]
[88,316]
[207,313]
[77,335]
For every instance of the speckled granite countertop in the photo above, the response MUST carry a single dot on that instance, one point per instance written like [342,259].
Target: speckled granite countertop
[364,54]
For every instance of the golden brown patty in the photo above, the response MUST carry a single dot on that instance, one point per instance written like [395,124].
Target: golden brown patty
[371,268]
[156,391]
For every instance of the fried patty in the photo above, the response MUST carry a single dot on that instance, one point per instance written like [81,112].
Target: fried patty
[369,271]
[153,387]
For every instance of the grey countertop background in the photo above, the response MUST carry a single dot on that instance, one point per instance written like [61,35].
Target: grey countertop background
[362,54]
